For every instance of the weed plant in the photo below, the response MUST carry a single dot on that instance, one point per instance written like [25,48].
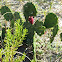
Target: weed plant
[12,42]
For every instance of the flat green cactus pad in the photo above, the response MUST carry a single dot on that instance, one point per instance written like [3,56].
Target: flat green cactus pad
[12,23]
[29,37]
[39,28]
[55,30]
[29,10]
[51,20]
[3,33]
[16,16]
[8,16]
[4,9]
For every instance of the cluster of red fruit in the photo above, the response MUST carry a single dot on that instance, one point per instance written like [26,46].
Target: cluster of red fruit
[31,19]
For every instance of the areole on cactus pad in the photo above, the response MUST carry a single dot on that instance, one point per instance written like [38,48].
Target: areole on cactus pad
[51,20]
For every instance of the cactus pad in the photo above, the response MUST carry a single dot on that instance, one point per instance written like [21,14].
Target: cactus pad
[3,33]
[4,9]
[29,10]
[16,16]
[7,16]
[51,20]
[39,28]
[55,30]
[12,23]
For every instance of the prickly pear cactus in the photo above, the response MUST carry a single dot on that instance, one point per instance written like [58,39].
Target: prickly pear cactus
[16,16]
[7,16]
[12,23]
[51,20]
[4,9]
[29,10]
[38,27]
[3,33]
[55,30]
[29,37]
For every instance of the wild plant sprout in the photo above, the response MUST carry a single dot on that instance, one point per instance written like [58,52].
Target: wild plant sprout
[12,42]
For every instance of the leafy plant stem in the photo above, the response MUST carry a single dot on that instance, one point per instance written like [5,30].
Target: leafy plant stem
[34,46]
[12,54]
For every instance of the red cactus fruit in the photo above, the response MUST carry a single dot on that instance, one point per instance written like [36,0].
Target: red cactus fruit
[31,19]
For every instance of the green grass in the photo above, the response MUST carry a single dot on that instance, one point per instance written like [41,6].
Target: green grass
[0,24]
[0,33]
